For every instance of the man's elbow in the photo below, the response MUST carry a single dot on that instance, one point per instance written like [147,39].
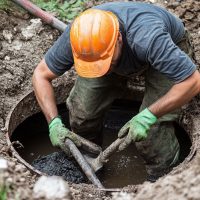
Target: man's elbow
[36,75]
[42,73]
[196,85]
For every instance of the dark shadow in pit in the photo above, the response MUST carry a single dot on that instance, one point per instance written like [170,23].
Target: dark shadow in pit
[184,141]
[124,168]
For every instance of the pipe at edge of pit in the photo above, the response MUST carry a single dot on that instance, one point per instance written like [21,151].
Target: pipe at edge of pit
[46,17]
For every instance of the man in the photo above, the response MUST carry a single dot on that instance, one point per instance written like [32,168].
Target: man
[108,44]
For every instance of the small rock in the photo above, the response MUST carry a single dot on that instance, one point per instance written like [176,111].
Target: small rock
[121,196]
[14,159]
[27,173]
[9,180]
[22,179]
[30,31]
[51,188]
[2,55]
[51,37]
[16,45]
[8,36]
[20,168]
[153,1]
[3,165]
[3,129]
[7,58]
[11,165]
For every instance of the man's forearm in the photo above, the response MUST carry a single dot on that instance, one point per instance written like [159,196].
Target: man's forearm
[45,97]
[42,78]
[177,96]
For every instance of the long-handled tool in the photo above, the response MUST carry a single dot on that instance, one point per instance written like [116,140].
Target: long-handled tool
[46,17]
[98,162]
[87,169]
[89,164]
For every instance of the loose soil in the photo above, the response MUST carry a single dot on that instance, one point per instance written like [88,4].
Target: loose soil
[20,52]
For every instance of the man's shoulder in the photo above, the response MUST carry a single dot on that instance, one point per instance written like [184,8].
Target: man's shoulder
[122,5]
[59,57]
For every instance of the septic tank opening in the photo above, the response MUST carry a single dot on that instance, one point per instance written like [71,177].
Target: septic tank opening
[124,168]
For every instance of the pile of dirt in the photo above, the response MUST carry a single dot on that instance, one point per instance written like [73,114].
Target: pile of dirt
[23,43]
[189,12]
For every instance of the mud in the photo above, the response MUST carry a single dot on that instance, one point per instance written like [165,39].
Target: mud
[18,58]
[33,135]
[58,164]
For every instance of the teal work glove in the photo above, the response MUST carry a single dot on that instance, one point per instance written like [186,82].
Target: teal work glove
[58,134]
[137,128]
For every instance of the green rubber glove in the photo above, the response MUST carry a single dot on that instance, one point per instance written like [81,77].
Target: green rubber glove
[58,133]
[137,128]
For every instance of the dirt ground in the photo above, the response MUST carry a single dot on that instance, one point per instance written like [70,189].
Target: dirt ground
[23,42]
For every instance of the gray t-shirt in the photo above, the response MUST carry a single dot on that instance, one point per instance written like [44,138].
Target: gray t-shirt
[150,35]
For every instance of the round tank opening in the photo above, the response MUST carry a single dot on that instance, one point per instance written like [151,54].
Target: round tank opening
[124,168]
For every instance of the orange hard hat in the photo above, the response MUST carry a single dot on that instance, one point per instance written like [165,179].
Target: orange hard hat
[93,37]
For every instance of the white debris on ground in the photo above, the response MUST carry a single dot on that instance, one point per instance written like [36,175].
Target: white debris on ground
[8,36]
[121,196]
[31,30]
[3,165]
[3,171]
[51,188]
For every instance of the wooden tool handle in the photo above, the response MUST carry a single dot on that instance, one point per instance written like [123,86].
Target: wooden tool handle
[89,146]
[89,172]
[111,149]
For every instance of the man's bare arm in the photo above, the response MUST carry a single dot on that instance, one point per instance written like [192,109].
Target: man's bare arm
[177,96]
[41,79]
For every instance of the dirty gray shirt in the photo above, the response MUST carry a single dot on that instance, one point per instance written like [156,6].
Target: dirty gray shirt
[149,33]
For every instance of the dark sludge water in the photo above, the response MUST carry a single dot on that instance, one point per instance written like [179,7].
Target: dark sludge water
[124,168]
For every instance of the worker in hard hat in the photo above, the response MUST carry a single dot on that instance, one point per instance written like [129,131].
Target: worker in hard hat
[107,45]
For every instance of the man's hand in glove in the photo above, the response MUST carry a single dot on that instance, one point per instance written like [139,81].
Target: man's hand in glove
[137,128]
[58,134]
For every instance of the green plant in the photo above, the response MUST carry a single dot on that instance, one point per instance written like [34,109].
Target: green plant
[3,192]
[4,4]
[8,5]
[65,10]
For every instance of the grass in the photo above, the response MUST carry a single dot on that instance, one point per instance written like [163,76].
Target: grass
[4,4]
[3,192]
[66,10]
[8,5]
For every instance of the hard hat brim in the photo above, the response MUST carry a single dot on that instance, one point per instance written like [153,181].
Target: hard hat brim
[93,69]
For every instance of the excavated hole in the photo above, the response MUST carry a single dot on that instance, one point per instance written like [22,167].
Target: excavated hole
[124,168]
